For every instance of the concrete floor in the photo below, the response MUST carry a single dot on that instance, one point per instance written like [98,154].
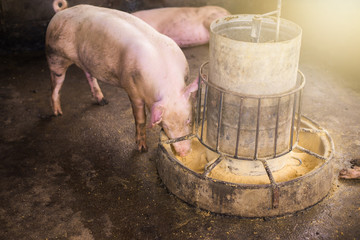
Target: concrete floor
[79,176]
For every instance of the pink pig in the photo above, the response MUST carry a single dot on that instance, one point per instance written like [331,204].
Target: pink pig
[187,26]
[353,172]
[122,50]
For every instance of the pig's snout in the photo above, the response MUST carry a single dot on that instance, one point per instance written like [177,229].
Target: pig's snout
[182,148]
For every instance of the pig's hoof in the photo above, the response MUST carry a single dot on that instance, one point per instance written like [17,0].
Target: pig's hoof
[343,173]
[58,113]
[103,102]
[350,173]
[142,147]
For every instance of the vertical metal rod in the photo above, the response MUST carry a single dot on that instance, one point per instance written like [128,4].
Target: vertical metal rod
[219,120]
[203,116]
[276,126]
[292,122]
[256,29]
[198,105]
[299,117]
[278,20]
[257,129]
[239,129]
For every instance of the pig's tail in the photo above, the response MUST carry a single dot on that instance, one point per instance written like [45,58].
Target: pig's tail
[59,5]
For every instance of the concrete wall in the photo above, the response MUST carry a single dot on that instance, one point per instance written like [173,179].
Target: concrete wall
[23,22]
[331,31]
[331,28]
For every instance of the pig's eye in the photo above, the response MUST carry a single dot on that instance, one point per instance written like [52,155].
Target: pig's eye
[188,121]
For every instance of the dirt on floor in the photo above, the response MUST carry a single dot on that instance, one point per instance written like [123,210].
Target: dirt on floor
[79,176]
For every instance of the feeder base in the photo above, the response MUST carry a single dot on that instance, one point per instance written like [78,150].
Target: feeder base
[217,194]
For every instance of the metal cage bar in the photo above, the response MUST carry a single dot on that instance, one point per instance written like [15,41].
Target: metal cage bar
[239,128]
[299,116]
[293,122]
[276,126]
[294,95]
[203,114]
[257,129]
[219,120]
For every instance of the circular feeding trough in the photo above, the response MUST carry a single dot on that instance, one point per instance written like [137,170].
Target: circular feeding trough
[302,182]
[253,154]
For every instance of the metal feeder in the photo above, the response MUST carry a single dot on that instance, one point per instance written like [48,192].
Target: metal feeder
[256,158]
[205,190]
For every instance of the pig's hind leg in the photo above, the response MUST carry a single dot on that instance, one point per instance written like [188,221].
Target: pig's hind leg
[58,67]
[95,89]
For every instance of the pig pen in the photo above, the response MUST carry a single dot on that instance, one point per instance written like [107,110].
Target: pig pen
[79,176]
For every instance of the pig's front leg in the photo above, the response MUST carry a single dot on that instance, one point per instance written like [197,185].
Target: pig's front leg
[138,107]
[95,89]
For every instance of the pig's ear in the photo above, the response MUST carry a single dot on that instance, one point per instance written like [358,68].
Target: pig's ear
[192,87]
[156,114]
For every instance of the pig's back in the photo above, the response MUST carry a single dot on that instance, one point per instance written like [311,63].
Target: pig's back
[109,44]
[85,23]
